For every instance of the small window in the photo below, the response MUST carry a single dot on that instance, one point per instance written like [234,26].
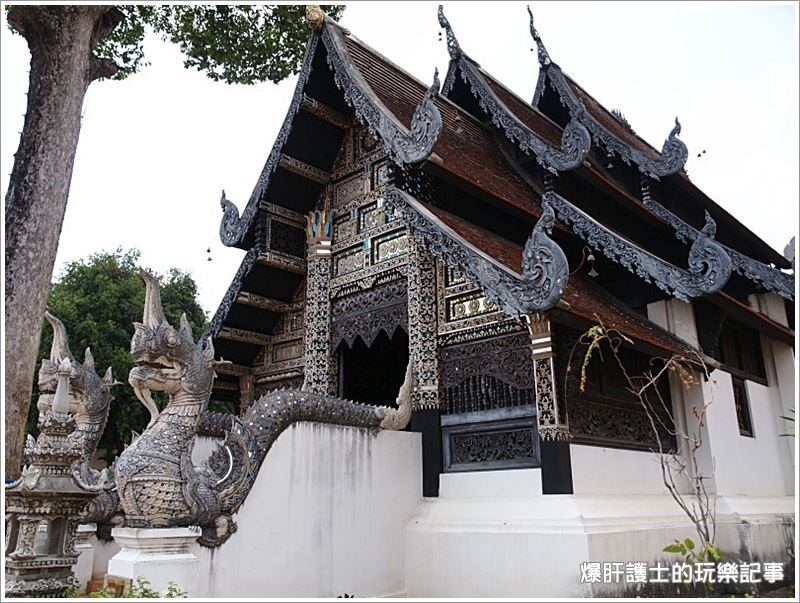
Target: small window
[742,408]
[735,345]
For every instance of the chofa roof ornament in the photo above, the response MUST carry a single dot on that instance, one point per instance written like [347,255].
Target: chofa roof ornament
[544,57]
[575,138]
[709,266]
[768,277]
[453,47]
[403,145]
[649,162]
[537,288]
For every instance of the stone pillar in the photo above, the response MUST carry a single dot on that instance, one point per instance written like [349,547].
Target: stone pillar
[423,354]
[85,550]
[159,555]
[320,366]
[551,416]
[246,392]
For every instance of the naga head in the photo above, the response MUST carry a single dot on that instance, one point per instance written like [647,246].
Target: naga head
[89,395]
[167,359]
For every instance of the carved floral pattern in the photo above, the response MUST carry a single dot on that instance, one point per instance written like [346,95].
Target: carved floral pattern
[673,153]
[709,264]
[770,278]
[401,144]
[366,313]
[318,358]
[422,345]
[544,270]
[492,446]
[575,140]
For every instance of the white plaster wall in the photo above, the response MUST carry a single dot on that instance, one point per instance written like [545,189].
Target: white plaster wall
[736,464]
[781,358]
[675,316]
[103,552]
[491,484]
[325,517]
[533,547]
[744,465]
[494,547]
[597,470]
[781,375]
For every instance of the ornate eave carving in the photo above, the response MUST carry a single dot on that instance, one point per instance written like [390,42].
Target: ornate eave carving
[231,294]
[768,277]
[329,114]
[673,153]
[575,140]
[237,370]
[282,261]
[266,303]
[233,227]
[306,170]
[709,264]
[402,145]
[367,313]
[544,271]
[243,336]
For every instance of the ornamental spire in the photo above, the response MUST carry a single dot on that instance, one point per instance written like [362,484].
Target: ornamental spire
[452,44]
[544,58]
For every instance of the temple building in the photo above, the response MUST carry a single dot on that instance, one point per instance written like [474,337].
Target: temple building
[478,236]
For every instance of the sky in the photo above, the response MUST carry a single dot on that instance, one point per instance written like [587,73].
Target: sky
[157,149]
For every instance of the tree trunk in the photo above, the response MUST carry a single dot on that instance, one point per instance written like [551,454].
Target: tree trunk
[61,39]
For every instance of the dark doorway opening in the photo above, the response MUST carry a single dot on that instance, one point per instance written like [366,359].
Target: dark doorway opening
[373,374]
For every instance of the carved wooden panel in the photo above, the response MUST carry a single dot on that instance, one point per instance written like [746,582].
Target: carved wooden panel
[487,374]
[349,261]
[463,307]
[505,439]
[605,413]
[366,313]
[389,246]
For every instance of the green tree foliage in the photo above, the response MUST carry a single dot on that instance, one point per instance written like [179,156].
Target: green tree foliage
[235,44]
[98,299]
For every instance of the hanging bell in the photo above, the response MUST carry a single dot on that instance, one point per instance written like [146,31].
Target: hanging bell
[592,272]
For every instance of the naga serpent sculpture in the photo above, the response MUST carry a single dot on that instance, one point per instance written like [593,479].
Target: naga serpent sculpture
[90,396]
[157,484]
[90,399]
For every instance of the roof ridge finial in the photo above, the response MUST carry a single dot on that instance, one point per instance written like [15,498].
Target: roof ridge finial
[436,86]
[452,44]
[544,57]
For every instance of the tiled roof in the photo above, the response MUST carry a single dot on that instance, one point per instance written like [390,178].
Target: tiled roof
[609,122]
[528,115]
[467,148]
[764,252]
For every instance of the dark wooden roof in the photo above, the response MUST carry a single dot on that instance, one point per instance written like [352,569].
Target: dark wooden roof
[469,153]
[466,148]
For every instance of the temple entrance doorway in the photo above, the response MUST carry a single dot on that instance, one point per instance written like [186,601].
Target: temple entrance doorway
[373,374]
